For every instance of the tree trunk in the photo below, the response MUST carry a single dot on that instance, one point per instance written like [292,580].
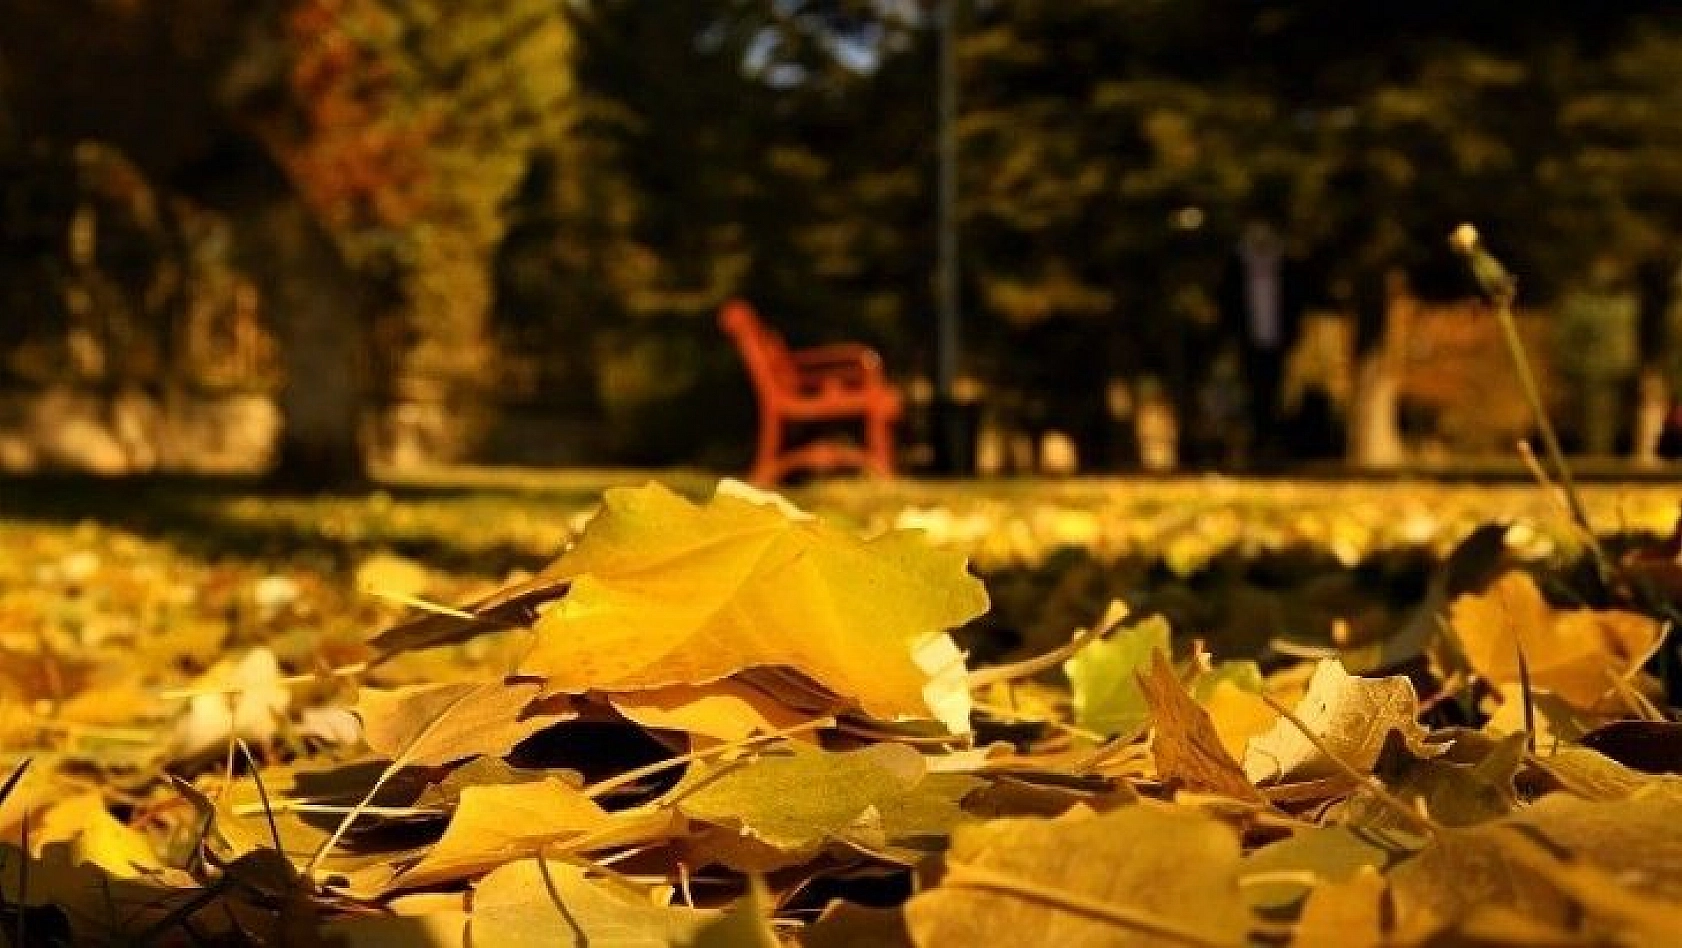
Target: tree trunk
[315,305]
[1374,441]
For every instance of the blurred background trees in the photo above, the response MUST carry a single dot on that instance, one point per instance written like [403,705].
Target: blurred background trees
[500,228]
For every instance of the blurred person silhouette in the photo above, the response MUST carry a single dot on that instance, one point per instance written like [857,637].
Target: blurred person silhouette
[1261,304]
[1596,338]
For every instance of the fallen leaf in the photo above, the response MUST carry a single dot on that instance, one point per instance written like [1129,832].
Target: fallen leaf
[849,925]
[1344,914]
[1185,745]
[1237,714]
[665,592]
[1590,774]
[391,575]
[1471,782]
[1139,875]
[245,698]
[548,903]
[430,725]
[1351,716]
[1597,856]
[95,836]
[795,801]
[1572,653]
[498,824]
[1107,696]
[1279,874]
[725,711]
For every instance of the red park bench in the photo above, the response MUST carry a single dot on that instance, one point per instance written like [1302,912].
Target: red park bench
[834,383]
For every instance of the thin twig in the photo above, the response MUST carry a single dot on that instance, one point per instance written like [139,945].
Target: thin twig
[629,777]
[982,677]
[262,795]
[1372,784]
[401,761]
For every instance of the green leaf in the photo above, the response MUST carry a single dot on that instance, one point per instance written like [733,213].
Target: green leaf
[795,801]
[1107,696]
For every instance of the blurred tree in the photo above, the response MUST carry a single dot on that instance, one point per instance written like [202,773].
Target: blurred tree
[410,124]
[362,149]
[172,84]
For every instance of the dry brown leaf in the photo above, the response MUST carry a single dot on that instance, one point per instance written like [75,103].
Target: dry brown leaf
[1351,716]
[1186,746]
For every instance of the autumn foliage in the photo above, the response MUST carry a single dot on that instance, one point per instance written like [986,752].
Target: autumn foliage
[730,722]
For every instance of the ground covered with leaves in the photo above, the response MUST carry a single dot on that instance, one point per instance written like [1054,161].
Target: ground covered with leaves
[1195,712]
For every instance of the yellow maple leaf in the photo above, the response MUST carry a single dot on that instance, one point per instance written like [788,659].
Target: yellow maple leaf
[667,592]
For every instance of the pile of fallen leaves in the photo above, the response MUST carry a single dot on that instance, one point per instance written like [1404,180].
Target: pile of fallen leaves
[730,723]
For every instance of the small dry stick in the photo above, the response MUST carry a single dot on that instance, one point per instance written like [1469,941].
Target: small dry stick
[401,761]
[632,776]
[262,795]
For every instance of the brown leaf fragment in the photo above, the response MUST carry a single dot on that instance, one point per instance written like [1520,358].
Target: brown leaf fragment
[1187,748]
[511,607]
[477,718]
[1351,716]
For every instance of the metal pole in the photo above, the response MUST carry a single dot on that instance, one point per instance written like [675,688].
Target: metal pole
[946,336]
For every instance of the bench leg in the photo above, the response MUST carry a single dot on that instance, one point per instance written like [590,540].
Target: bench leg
[765,468]
[879,443]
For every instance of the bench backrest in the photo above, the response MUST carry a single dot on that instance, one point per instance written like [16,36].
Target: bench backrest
[766,355]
